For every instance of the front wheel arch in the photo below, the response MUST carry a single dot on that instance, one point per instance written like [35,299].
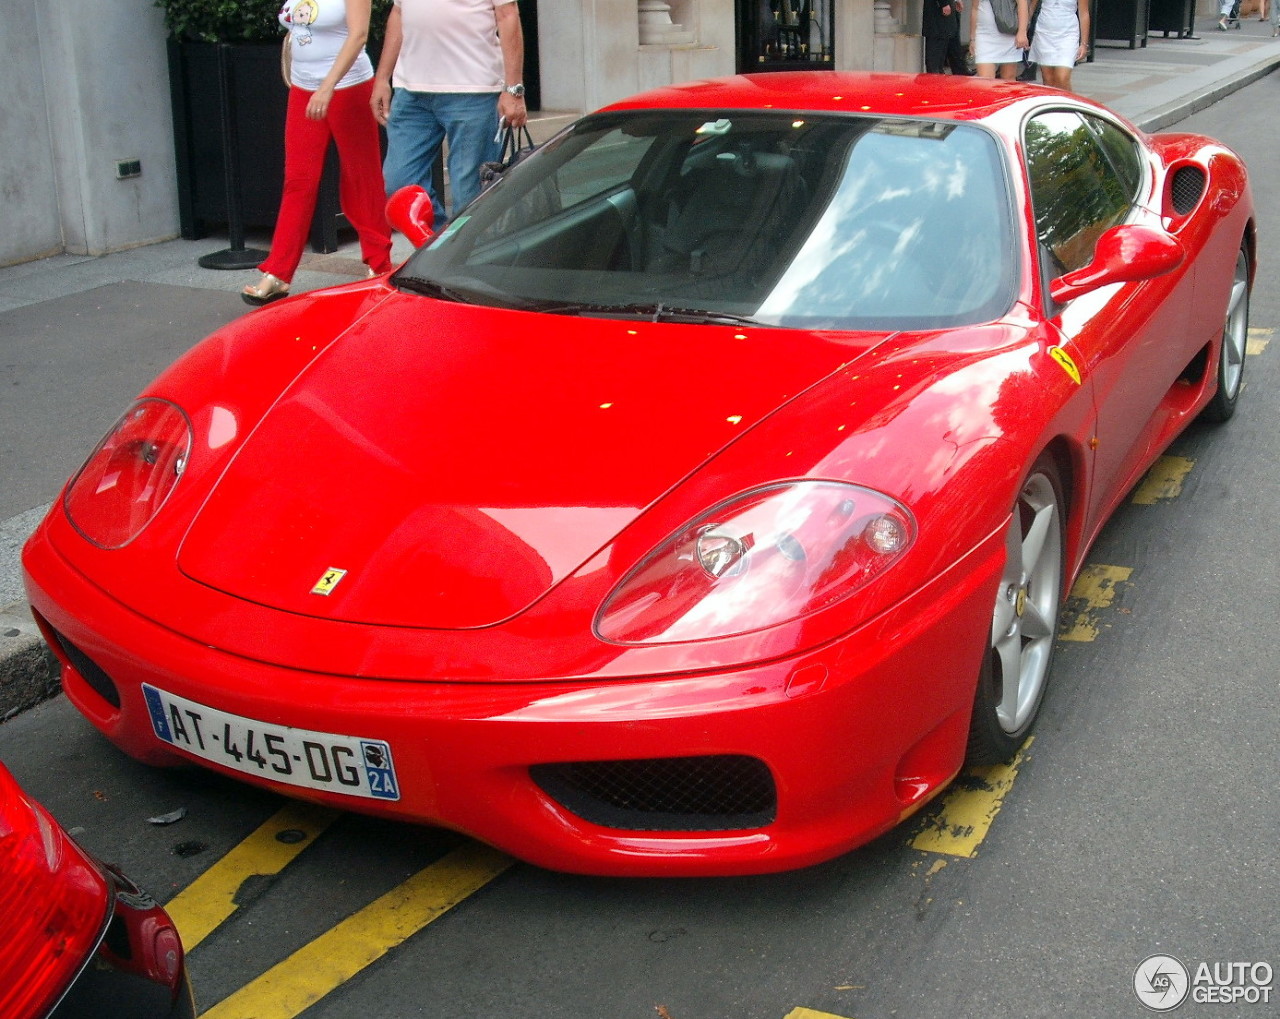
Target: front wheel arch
[1232,342]
[1015,669]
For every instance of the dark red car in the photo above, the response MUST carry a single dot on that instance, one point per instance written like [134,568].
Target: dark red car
[78,940]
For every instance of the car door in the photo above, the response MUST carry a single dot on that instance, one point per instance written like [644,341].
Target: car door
[1130,341]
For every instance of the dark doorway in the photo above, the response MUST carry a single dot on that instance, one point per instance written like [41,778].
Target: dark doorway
[784,35]
[532,77]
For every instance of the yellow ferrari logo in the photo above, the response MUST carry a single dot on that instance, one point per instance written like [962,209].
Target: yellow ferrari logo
[328,581]
[1068,365]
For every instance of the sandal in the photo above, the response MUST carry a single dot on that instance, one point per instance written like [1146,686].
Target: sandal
[270,288]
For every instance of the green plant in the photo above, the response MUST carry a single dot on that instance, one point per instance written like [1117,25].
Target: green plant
[240,20]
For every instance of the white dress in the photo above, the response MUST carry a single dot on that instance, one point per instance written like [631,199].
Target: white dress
[990,46]
[1057,38]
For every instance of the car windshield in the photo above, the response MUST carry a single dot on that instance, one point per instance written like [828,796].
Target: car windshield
[795,220]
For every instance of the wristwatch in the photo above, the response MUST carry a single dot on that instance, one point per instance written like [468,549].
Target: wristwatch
[516,90]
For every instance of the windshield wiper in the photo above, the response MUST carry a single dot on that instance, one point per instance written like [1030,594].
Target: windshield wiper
[665,314]
[653,312]
[433,288]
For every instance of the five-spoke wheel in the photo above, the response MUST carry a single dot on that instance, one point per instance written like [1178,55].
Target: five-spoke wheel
[1012,684]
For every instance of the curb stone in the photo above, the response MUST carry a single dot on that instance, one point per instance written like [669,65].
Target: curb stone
[1170,113]
[29,673]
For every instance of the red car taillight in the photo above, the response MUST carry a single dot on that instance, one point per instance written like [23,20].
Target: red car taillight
[127,479]
[53,905]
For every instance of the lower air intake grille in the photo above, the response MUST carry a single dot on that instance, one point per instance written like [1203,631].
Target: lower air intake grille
[90,671]
[717,793]
[1186,188]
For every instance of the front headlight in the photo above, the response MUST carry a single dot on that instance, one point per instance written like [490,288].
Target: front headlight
[758,560]
[127,479]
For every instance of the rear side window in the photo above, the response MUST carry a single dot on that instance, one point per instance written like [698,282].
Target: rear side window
[1084,176]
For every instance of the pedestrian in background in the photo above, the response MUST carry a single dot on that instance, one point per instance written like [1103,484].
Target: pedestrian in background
[330,81]
[1060,40]
[940,26]
[993,51]
[449,70]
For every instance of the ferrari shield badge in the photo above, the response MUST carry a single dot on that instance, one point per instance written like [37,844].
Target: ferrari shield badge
[1064,360]
[328,581]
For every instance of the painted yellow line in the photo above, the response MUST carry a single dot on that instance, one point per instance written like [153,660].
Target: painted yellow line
[1163,481]
[1094,590]
[969,808]
[809,1013]
[204,905]
[289,988]
[1257,341]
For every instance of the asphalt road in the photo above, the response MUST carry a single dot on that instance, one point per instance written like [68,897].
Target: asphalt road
[1142,819]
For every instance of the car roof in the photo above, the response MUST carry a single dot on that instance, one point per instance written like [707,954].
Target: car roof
[899,95]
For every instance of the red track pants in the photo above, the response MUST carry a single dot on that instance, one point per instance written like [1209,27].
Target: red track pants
[349,122]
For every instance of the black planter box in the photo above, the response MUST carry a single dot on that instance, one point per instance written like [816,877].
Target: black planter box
[1121,20]
[258,100]
[1173,16]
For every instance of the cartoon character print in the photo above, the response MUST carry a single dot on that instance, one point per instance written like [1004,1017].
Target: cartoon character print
[300,17]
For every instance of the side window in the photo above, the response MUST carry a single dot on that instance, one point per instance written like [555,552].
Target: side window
[1122,153]
[1076,191]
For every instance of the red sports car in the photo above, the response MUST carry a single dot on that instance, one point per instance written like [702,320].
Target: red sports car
[694,502]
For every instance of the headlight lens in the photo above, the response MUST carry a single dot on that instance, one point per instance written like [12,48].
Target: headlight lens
[128,478]
[768,557]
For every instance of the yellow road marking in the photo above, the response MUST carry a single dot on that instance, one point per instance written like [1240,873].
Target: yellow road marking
[1163,481]
[1257,341]
[809,1013]
[969,808]
[294,985]
[1095,589]
[204,905]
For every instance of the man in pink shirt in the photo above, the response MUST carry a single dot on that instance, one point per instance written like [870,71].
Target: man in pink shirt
[449,70]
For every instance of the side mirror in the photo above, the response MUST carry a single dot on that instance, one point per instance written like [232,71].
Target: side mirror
[1124,254]
[409,211]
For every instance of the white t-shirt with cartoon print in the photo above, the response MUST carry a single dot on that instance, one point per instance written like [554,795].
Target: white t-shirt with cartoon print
[317,31]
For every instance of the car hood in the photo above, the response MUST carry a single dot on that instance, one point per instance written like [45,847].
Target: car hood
[444,466]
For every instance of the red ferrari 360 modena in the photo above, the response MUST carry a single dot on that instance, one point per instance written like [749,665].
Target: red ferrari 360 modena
[693,503]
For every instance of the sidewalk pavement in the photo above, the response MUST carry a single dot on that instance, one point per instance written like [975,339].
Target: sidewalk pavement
[1154,86]
[1170,78]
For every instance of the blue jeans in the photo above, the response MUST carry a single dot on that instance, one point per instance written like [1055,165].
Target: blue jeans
[419,124]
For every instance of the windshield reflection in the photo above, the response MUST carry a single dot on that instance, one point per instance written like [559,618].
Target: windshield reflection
[788,220]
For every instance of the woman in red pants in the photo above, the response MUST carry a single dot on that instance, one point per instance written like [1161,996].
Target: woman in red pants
[330,85]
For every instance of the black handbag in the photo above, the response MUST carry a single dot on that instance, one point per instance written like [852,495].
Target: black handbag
[517,146]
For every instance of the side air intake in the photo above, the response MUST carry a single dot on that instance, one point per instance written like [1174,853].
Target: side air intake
[1186,189]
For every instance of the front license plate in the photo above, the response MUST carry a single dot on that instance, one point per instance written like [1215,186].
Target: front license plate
[316,760]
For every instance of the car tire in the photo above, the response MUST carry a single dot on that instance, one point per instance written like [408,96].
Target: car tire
[1015,669]
[1231,351]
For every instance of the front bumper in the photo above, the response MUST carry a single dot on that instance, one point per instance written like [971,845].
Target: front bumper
[851,737]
